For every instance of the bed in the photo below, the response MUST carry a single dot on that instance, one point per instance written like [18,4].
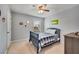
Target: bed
[41,40]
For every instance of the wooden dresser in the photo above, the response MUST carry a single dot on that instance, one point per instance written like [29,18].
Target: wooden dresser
[71,44]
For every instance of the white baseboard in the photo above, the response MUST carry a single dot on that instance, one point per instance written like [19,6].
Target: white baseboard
[14,41]
[8,47]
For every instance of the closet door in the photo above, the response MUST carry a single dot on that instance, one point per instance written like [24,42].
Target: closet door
[3,35]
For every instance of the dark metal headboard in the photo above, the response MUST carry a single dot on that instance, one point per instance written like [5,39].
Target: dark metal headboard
[57,31]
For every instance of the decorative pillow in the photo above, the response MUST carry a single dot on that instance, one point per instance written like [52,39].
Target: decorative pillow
[51,31]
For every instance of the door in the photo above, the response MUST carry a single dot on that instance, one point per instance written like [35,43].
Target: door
[3,35]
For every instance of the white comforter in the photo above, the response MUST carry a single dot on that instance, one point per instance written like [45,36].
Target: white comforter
[43,35]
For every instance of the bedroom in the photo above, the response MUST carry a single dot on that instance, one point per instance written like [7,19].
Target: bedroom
[21,19]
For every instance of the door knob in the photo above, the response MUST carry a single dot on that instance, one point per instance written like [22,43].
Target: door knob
[8,32]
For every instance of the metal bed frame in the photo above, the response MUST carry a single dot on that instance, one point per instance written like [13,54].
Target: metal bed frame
[34,38]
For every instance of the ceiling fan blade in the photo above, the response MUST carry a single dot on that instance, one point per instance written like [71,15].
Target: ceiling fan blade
[47,10]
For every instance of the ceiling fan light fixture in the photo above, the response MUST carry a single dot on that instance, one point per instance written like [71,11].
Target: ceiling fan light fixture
[41,8]
[41,11]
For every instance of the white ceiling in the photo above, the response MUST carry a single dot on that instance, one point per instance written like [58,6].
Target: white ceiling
[30,10]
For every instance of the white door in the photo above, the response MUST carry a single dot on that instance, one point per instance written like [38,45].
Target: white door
[5,32]
[3,36]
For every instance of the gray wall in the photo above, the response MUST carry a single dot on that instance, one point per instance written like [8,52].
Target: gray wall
[20,32]
[69,21]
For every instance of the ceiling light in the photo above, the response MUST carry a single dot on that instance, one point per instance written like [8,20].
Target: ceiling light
[41,11]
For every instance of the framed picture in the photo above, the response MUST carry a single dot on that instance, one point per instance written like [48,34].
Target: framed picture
[21,23]
[3,19]
[55,21]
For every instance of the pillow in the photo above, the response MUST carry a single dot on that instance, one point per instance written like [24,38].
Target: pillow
[51,31]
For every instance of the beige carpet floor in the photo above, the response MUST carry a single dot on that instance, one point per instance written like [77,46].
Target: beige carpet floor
[23,47]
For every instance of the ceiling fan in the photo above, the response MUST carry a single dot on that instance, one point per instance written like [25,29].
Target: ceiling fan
[42,8]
